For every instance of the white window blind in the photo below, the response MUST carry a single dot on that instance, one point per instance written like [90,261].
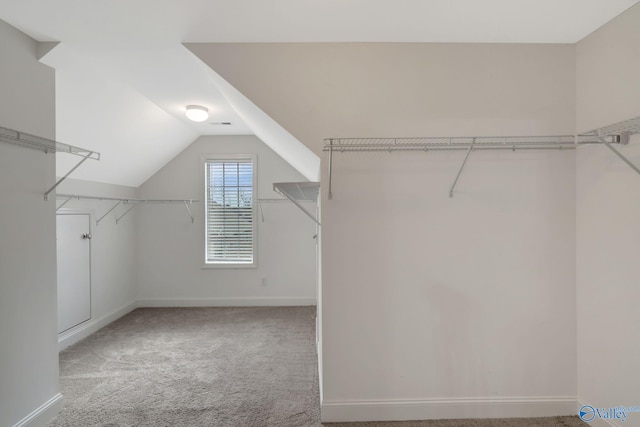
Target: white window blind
[230,214]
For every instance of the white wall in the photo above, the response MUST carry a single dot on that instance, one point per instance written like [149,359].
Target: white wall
[113,254]
[434,307]
[28,353]
[321,90]
[171,248]
[608,234]
[470,300]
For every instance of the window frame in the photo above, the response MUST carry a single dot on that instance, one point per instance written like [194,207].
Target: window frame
[211,158]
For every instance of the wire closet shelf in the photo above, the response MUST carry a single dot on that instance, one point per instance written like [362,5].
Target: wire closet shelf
[615,134]
[462,143]
[299,193]
[43,144]
[47,145]
[132,202]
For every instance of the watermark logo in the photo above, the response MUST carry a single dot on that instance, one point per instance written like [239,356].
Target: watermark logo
[589,413]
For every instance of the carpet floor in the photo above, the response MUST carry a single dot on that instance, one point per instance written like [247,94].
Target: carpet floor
[219,367]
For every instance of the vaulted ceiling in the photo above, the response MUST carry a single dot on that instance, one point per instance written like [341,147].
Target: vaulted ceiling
[124,77]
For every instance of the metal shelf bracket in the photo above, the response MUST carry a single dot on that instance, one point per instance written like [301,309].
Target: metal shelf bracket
[297,192]
[617,133]
[330,196]
[46,193]
[186,205]
[64,203]
[464,162]
[118,218]
[132,202]
[47,145]
[619,154]
[108,212]
[262,201]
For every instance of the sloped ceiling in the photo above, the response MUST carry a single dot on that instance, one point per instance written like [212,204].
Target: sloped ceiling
[130,108]
[96,111]
[124,77]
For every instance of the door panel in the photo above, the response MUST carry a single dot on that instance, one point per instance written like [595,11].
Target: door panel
[74,271]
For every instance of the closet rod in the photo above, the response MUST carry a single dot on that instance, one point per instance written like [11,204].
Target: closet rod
[127,201]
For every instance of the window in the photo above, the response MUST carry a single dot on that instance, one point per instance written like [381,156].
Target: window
[230,214]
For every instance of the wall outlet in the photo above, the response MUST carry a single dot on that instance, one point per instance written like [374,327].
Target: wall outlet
[264,281]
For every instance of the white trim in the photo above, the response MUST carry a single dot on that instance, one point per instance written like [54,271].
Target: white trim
[219,265]
[447,408]
[42,415]
[226,302]
[77,333]
[320,369]
[596,422]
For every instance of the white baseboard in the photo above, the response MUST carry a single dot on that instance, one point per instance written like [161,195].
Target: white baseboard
[320,370]
[43,414]
[432,409]
[83,330]
[226,302]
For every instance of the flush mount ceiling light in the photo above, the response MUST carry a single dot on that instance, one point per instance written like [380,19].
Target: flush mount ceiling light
[197,113]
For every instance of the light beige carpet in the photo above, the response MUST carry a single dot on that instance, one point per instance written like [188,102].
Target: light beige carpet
[218,367]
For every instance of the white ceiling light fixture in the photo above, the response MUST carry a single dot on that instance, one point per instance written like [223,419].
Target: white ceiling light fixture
[197,113]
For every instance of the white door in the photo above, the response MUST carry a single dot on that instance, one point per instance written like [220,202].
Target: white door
[74,272]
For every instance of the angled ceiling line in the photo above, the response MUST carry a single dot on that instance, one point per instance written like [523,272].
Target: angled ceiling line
[287,146]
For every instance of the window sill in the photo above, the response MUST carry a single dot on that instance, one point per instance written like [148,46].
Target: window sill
[230,265]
